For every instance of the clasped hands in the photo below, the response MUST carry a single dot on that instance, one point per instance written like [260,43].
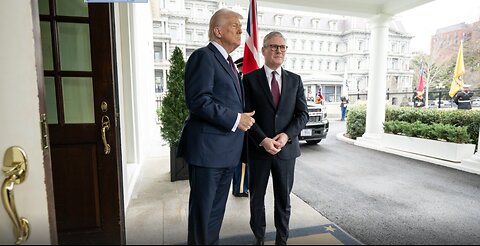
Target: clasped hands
[274,145]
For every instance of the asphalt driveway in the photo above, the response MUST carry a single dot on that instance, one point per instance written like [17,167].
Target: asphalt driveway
[380,198]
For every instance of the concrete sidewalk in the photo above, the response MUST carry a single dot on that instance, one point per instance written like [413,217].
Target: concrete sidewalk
[158,212]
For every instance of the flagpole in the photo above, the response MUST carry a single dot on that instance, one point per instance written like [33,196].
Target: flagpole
[426,96]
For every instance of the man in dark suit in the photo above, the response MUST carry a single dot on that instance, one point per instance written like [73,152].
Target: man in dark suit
[277,96]
[213,135]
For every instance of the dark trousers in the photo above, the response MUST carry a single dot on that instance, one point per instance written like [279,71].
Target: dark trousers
[240,178]
[209,189]
[282,176]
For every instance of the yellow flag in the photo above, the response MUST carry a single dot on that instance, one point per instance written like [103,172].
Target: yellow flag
[457,82]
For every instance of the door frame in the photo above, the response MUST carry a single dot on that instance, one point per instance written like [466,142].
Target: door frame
[47,162]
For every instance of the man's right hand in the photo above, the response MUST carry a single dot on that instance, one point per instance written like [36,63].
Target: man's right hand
[246,121]
[271,146]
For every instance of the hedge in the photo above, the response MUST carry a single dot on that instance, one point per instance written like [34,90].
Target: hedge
[469,119]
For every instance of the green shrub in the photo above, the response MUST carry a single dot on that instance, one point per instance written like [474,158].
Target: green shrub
[435,131]
[356,121]
[174,110]
[470,119]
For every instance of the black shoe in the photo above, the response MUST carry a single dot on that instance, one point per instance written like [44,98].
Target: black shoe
[258,241]
[245,194]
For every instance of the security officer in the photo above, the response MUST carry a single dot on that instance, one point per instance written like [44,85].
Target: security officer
[240,176]
[463,98]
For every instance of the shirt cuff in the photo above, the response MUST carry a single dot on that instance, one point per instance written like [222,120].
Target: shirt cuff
[236,122]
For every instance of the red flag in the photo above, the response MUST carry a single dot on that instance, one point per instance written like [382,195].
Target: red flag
[420,81]
[250,52]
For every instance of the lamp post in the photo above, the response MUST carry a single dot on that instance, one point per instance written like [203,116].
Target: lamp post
[439,88]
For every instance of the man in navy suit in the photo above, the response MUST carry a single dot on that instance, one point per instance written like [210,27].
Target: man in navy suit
[277,96]
[213,134]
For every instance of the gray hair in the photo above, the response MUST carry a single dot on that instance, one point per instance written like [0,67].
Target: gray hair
[270,36]
[218,19]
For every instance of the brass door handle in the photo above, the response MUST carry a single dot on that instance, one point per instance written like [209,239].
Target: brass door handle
[15,168]
[105,128]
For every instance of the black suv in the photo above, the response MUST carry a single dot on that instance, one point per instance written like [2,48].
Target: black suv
[317,125]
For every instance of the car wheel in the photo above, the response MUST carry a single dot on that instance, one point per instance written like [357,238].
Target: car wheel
[313,142]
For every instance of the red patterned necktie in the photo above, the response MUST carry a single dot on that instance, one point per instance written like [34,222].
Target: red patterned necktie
[235,72]
[275,90]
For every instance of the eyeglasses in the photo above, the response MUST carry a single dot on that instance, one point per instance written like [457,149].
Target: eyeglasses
[275,47]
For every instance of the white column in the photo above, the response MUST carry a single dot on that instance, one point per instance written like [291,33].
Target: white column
[377,77]
[472,164]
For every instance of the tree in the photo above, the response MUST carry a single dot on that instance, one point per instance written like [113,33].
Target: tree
[433,72]
[174,110]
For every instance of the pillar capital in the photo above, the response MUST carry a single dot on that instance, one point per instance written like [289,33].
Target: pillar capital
[379,20]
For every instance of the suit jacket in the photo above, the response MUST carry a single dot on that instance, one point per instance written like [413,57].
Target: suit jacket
[290,117]
[214,100]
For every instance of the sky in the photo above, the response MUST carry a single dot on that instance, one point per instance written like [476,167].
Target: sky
[423,21]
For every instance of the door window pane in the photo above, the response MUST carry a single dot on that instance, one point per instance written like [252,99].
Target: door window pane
[78,100]
[72,8]
[46,45]
[51,100]
[43,7]
[74,47]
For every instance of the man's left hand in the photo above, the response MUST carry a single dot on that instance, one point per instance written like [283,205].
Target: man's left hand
[282,139]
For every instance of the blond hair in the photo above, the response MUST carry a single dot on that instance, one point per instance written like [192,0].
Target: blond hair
[219,19]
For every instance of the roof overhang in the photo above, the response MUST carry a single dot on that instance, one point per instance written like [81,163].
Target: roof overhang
[358,8]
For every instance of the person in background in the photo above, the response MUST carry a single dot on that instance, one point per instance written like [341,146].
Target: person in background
[240,176]
[463,98]
[418,100]
[213,134]
[343,107]
[277,96]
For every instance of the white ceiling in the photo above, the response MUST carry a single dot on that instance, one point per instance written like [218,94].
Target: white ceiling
[359,8]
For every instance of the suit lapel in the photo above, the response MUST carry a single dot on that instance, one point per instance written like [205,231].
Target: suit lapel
[265,87]
[287,85]
[227,68]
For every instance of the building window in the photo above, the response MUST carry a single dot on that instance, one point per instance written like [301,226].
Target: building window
[278,20]
[315,23]
[297,21]
[200,36]
[158,52]
[332,93]
[333,25]
[159,81]
[260,18]
[361,45]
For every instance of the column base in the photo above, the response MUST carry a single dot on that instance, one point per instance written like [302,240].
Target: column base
[472,164]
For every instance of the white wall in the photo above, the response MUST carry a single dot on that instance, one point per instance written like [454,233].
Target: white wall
[134,38]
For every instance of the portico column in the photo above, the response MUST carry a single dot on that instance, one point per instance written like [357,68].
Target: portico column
[377,77]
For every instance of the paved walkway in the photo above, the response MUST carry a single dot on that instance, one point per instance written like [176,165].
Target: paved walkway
[157,213]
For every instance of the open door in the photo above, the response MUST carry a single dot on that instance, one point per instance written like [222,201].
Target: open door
[27,214]
[78,45]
